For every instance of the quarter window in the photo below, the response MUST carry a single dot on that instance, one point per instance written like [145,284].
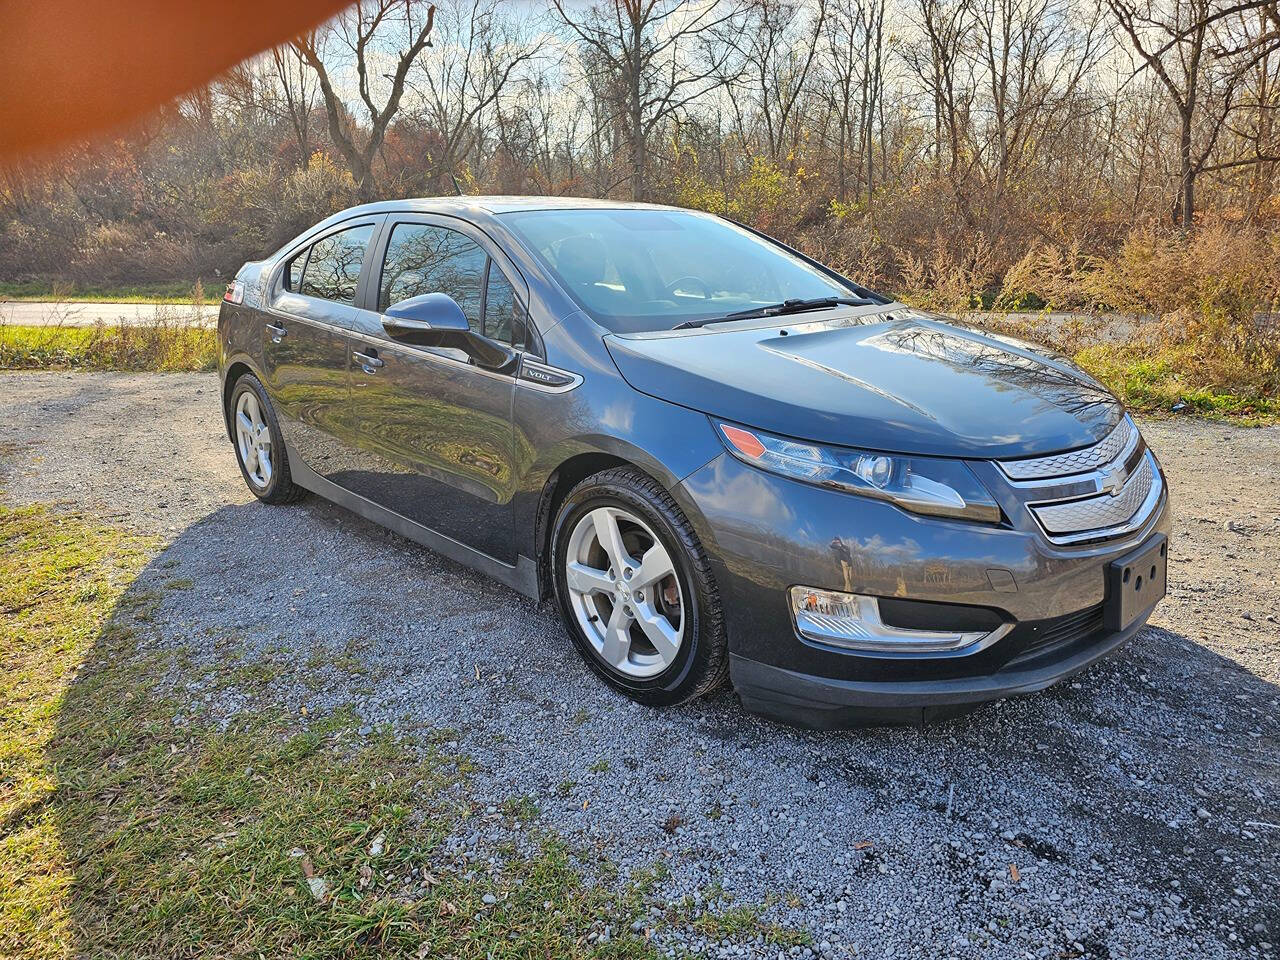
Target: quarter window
[334,267]
[503,313]
[293,277]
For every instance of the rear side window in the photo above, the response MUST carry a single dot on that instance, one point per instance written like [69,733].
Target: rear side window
[334,266]
[427,259]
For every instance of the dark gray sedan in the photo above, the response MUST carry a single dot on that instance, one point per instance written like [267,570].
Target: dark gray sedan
[722,458]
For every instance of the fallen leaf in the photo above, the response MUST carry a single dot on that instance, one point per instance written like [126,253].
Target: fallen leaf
[308,868]
[862,845]
[366,875]
[1013,872]
[447,908]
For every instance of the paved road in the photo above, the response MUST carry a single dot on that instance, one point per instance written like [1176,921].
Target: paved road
[1132,813]
[89,314]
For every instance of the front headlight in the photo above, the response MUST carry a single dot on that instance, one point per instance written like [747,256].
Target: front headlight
[928,485]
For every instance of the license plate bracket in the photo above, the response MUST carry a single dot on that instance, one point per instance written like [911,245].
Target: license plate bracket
[1136,582]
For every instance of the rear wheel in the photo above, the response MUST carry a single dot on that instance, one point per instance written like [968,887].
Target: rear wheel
[635,589]
[259,445]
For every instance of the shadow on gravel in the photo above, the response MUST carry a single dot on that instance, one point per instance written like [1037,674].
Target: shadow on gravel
[188,803]
[1111,811]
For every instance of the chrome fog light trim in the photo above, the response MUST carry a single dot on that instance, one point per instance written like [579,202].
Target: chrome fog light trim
[852,621]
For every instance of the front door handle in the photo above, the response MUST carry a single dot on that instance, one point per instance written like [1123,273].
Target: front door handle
[369,362]
[277,332]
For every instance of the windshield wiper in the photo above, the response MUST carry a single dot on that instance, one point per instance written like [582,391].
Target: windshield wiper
[795,305]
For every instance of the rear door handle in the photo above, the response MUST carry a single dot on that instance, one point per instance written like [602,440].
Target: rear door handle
[369,362]
[277,332]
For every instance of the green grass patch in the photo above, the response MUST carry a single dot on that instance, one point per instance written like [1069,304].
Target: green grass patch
[164,291]
[130,828]
[721,921]
[157,346]
[59,579]
[1155,382]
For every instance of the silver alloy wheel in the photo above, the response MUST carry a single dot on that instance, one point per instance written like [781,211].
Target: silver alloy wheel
[625,593]
[253,439]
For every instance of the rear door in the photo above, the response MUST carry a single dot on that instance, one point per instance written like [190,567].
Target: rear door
[307,351]
[436,428]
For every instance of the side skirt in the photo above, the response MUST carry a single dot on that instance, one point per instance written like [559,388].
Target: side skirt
[522,578]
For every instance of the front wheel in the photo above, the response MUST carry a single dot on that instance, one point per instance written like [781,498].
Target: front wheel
[636,591]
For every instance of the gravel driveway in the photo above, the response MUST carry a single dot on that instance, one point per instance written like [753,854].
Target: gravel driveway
[1134,812]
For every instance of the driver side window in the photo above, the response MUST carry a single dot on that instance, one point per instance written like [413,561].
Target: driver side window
[427,259]
[422,258]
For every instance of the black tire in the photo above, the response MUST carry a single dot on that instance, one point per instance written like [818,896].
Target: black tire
[280,488]
[702,662]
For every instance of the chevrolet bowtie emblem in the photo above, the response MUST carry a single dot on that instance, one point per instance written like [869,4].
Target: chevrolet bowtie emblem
[1111,480]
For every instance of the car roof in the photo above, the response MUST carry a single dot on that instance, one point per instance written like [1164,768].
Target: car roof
[496,205]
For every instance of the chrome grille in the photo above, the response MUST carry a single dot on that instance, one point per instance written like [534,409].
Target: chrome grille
[1103,511]
[1109,448]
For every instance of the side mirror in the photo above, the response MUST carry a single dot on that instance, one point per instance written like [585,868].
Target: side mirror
[430,320]
[436,320]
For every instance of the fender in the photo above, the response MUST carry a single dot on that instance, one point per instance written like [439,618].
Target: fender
[230,362]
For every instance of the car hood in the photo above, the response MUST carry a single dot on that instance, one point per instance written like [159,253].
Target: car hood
[888,380]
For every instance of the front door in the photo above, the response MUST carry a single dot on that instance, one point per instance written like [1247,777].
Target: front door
[434,427]
[307,349]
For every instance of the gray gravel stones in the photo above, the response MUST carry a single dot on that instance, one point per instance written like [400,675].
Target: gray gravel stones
[1104,818]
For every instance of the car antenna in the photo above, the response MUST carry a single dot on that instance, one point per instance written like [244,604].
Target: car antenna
[456,186]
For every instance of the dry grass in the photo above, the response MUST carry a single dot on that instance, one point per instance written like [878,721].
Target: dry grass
[168,342]
[1169,319]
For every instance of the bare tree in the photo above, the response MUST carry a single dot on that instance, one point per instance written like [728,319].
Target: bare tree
[359,32]
[1033,56]
[297,95]
[1177,43]
[778,46]
[853,55]
[477,62]
[653,58]
[936,60]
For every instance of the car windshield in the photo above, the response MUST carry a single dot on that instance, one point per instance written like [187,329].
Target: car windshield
[637,270]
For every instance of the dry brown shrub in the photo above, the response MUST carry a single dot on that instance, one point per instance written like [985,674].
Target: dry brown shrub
[1047,274]
[951,276]
[852,248]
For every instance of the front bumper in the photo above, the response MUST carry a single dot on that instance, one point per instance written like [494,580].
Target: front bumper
[825,703]
[766,533]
